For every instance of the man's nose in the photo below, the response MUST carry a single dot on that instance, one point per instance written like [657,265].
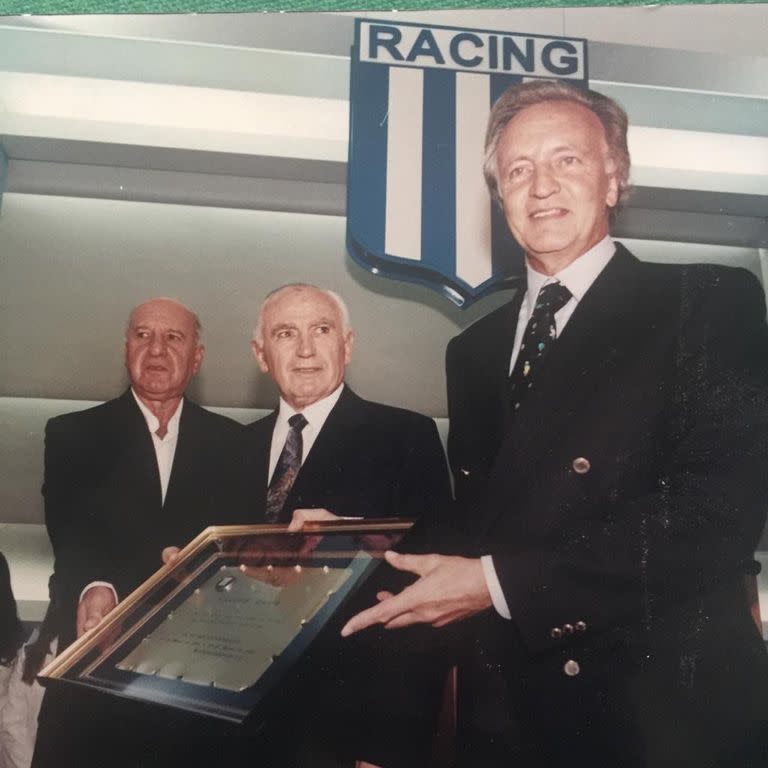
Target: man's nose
[157,344]
[306,346]
[544,182]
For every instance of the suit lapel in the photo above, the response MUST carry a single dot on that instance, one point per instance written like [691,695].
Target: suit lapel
[324,459]
[500,354]
[258,447]
[136,462]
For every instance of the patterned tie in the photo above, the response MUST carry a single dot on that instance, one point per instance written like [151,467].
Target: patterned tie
[540,334]
[288,466]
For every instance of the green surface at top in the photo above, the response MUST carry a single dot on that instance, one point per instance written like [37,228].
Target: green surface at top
[46,7]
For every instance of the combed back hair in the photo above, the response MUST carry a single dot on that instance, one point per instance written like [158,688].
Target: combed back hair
[198,326]
[518,97]
[258,331]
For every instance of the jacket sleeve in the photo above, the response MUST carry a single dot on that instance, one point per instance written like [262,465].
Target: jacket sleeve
[73,536]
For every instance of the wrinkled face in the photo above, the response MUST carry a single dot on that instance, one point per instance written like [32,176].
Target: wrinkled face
[556,182]
[162,351]
[304,349]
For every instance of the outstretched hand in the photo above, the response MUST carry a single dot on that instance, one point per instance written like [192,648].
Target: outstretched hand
[448,589]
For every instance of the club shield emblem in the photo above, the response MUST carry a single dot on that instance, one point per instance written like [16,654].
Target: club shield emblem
[417,205]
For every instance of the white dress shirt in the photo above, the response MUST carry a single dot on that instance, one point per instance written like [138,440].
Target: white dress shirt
[165,447]
[315,414]
[577,277]
[165,450]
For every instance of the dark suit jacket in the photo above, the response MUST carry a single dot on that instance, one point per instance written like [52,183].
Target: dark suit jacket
[622,506]
[374,461]
[369,460]
[103,505]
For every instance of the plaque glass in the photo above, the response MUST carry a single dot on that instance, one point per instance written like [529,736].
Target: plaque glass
[222,629]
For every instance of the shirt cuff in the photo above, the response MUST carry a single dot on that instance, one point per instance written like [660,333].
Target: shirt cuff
[98,584]
[494,587]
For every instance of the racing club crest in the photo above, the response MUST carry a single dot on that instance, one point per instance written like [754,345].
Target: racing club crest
[417,205]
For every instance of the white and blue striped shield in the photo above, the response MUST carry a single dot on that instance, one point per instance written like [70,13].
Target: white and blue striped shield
[417,205]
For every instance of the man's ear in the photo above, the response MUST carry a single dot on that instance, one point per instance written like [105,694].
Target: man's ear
[349,342]
[612,193]
[198,359]
[258,353]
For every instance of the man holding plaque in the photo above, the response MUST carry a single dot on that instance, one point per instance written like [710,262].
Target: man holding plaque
[125,478]
[324,453]
[609,437]
[325,447]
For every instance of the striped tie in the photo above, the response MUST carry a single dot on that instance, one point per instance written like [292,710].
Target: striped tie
[286,470]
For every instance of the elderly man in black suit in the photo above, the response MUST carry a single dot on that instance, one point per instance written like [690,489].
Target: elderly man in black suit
[326,450]
[609,438]
[124,479]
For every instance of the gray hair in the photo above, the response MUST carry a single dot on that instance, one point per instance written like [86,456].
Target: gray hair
[198,326]
[518,97]
[258,331]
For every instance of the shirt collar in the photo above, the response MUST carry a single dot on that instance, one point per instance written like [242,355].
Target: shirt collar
[315,414]
[578,276]
[153,422]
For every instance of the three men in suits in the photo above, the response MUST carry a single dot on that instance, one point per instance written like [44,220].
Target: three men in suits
[121,481]
[357,458]
[609,437]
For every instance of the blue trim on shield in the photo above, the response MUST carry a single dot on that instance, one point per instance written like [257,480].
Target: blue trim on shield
[438,166]
[368,155]
[415,272]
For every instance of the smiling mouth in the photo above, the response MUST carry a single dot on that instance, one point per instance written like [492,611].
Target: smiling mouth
[306,370]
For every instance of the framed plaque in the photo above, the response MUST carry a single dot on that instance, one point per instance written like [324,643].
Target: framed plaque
[225,627]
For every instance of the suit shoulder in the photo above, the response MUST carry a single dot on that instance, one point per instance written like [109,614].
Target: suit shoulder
[488,325]
[213,420]
[718,287]
[85,419]
[397,417]
[260,430]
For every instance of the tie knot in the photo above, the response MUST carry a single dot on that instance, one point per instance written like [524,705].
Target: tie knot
[553,297]
[297,421]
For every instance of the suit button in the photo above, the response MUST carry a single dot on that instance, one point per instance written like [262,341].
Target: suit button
[464,472]
[556,633]
[568,629]
[581,465]
[571,668]
[581,626]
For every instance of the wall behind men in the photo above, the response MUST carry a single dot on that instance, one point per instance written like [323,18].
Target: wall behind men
[72,268]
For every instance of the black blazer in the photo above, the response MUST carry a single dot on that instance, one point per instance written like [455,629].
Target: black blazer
[103,505]
[622,506]
[369,460]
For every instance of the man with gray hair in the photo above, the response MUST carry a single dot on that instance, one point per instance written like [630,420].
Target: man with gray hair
[609,438]
[326,450]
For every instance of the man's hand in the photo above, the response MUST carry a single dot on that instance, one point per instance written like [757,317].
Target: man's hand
[301,516]
[449,589]
[96,603]
[169,554]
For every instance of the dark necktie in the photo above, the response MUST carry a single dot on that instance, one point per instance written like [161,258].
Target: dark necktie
[286,469]
[540,334]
